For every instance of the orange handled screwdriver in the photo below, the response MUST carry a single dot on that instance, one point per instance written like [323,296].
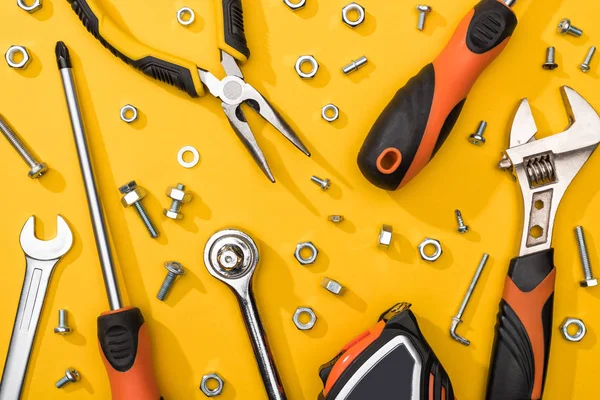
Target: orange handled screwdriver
[122,333]
[421,115]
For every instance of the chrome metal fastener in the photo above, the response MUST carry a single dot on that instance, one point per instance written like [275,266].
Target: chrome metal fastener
[353,8]
[132,196]
[71,375]
[477,137]
[186,16]
[437,252]
[579,334]
[312,318]
[313,253]
[565,27]
[462,228]
[589,279]
[585,66]
[37,168]
[208,378]
[129,113]
[62,328]
[310,60]
[178,197]
[423,11]
[457,319]
[385,236]
[336,219]
[295,4]
[354,65]
[332,286]
[30,7]
[323,183]
[550,63]
[330,112]
[12,60]
[175,269]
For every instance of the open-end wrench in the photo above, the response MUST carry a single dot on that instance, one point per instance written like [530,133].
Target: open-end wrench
[544,168]
[231,256]
[41,257]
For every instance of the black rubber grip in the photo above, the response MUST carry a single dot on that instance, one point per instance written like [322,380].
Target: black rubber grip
[233,25]
[118,337]
[161,70]
[492,23]
[515,371]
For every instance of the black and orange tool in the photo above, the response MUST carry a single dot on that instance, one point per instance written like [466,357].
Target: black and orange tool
[232,91]
[417,121]
[122,332]
[392,360]
[544,168]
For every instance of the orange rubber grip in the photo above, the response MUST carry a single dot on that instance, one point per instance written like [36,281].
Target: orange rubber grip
[127,355]
[420,117]
[523,329]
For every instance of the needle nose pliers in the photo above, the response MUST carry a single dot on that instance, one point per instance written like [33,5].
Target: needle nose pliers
[232,90]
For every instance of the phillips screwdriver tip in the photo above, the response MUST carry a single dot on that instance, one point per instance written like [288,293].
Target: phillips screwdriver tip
[62,56]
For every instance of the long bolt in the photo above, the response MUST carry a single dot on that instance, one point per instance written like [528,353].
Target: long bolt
[175,269]
[423,11]
[324,183]
[71,375]
[457,319]
[62,328]
[139,208]
[550,63]
[462,228]
[38,169]
[355,65]
[477,137]
[589,279]
[565,27]
[585,66]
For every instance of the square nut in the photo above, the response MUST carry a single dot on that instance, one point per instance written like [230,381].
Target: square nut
[385,236]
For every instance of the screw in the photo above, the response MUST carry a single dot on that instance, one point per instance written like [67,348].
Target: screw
[139,207]
[355,65]
[336,219]
[71,375]
[62,328]
[585,66]
[324,183]
[38,169]
[565,27]
[457,318]
[175,269]
[477,137]
[550,63]
[462,228]
[585,259]
[423,11]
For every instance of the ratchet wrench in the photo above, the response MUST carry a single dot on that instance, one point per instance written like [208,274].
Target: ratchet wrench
[41,258]
[231,256]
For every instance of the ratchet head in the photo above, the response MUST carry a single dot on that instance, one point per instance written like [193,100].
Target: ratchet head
[46,250]
[546,167]
[231,256]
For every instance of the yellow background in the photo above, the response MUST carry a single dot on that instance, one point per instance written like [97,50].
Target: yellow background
[199,328]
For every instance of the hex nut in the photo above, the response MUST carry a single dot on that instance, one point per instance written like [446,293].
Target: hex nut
[581,329]
[129,108]
[178,194]
[335,112]
[185,16]
[332,286]
[385,236]
[336,219]
[436,254]
[295,5]
[33,7]
[308,260]
[212,377]
[311,322]
[172,214]
[314,67]
[346,14]
[10,57]
[133,197]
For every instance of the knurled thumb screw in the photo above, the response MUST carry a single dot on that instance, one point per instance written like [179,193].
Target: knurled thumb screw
[589,279]
[462,228]
[37,169]
[175,269]
[71,375]
[324,183]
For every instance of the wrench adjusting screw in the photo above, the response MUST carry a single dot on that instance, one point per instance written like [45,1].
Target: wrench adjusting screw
[324,183]
[550,63]
[565,27]
[38,169]
[462,228]
[175,269]
[477,138]
[423,11]
[71,375]
[132,196]
[589,279]
[62,328]
[585,66]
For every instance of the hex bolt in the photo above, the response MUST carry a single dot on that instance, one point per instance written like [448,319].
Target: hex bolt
[324,183]
[423,11]
[38,169]
[178,197]
[477,137]
[550,63]
[565,27]
[175,269]
[355,65]
[589,279]
[457,319]
[462,228]
[62,328]
[585,66]
[132,196]
[71,375]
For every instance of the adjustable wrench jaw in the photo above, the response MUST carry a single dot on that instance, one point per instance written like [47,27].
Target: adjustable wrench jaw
[546,167]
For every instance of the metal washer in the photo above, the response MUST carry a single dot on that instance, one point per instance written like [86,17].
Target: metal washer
[186,11]
[195,159]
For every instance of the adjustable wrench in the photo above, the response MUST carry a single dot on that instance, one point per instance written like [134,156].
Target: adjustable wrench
[41,257]
[544,168]
[231,256]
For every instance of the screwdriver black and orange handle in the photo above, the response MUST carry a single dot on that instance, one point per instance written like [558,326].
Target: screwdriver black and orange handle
[127,355]
[157,64]
[523,329]
[419,118]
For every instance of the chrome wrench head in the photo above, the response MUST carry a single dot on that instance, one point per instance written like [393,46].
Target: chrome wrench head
[546,167]
[46,250]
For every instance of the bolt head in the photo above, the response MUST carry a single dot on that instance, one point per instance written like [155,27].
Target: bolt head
[550,66]
[463,229]
[476,139]
[72,375]
[589,283]
[385,236]
[62,330]
[564,25]
[584,67]
[175,268]
[128,187]
[178,194]
[336,219]
[38,171]
[326,184]
[424,8]
[133,196]
[230,257]
[173,215]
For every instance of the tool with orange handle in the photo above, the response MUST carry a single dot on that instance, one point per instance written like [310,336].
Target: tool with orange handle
[544,168]
[417,121]
[392,360]
[122,332]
